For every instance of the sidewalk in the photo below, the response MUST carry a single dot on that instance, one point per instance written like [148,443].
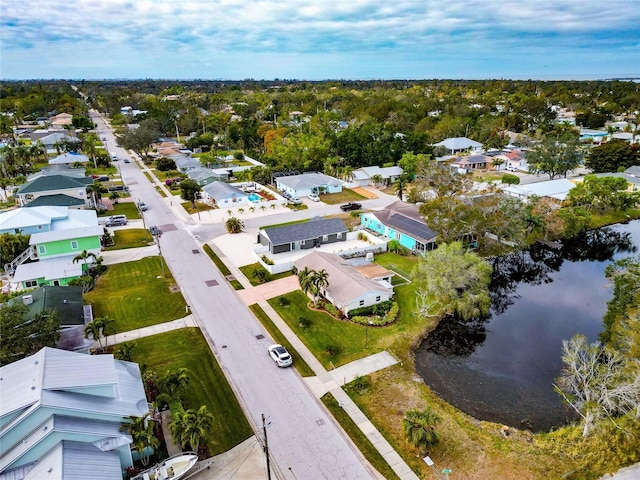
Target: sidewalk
[185,322]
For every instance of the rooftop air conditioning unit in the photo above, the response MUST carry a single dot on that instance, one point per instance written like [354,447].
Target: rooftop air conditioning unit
[27,299]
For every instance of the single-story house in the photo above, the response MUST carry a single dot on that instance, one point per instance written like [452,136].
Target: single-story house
[469,163]
[69,159]
[204,176]
[349,288]
[402,222]
[554,189]
[51,140]
[304,184]
[71,313]
[303,236]
[184,163]
[363,176]
[634,171]
[458,145]
[61,413]
[633,182]
[595,136]
[61,119]
[225,195]
[514,160]
[75,187]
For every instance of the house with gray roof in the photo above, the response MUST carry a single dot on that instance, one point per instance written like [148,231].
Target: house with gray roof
[75,187]
[633,170]
[225,195]
[455,145]
[554,189]
[349,287]
[204,176]
[303,236]
[403,223]
[184,163]
[363,176]
[69,158]
[61,413]
[307,183]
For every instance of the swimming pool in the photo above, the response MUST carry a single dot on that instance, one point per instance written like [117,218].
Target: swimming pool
[254,197]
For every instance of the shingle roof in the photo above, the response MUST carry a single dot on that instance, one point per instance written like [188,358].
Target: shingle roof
[69,158]
[346,284]
[405,218]
[633,170]
[315,228]
[458,143]
[219,190]
[57,200]
[53,182]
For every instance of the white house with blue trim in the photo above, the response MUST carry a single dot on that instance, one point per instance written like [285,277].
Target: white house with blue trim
[61,413]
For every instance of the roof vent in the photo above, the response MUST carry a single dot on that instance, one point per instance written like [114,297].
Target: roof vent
[27,299]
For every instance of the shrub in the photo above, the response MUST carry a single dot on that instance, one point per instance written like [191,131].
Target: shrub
[267,260]
[392,314]
[283,301]
[360,383]
[304,323]
[331,350]
[332,309]
[362,236]
[378,309]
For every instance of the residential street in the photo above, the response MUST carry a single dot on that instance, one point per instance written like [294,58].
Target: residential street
[304,441]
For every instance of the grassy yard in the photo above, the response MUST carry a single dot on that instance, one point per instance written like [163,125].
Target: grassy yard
[400,264]
[199,207]
[187,348]
[149,177]
[123,208]
[295,222]
[160,191]
[250,272]
[136,294]
[278,337]
[345,196]
[610,218]
[130,238]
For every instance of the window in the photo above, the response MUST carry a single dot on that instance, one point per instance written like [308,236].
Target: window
[361,303]
[74,245]
[397,236]
[325,238]
[42,249]
[31,283]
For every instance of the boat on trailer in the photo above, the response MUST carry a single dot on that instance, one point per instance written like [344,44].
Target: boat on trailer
[172,468]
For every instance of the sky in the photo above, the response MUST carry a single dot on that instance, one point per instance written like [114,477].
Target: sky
[318,39]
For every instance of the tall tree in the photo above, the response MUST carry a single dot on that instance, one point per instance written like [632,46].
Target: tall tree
[189,190]
[451,281]
[196,427]
[142,434]
[174,382]
[613,156]
[140,139]
[555,156]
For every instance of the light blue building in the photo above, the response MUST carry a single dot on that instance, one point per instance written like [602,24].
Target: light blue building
[402,222]
[61,413]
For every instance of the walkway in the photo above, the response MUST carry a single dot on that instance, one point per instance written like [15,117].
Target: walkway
[185,322]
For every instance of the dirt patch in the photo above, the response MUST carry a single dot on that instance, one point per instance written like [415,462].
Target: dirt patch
[365,192]
[174,288]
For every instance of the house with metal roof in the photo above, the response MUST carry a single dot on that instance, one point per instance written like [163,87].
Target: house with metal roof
[307,183]
[61,413]
[363,176]
[402,222]
[303,236]
[348,288]
[204,176]
[225,195]
[69,158]
[58,235]
[555,189]
[70,186]
[455,145]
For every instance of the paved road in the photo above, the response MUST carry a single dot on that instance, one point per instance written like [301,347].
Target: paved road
[303,440]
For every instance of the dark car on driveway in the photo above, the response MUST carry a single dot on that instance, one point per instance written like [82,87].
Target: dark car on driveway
[155,231]
[347,207]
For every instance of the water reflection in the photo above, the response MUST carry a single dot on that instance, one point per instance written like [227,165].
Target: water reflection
[501,368]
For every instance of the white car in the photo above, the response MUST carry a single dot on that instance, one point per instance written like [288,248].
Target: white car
[313,197]
[280,355]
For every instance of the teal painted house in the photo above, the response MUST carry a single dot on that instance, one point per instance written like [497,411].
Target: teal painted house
[402,222]
[61,413]
[58,235]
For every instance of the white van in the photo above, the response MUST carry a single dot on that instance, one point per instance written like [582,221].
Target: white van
[116,220]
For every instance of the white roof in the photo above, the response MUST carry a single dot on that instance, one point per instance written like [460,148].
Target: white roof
[458,143]
[557,189]
[66,234]
[307,180]
[49,269]
[385,172]
[69,158]
[20,218]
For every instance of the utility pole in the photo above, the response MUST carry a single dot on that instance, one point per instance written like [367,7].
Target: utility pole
[266,447]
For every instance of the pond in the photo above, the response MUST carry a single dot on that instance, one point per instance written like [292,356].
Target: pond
[502,368]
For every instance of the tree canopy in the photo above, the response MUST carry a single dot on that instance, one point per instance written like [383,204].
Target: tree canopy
[613,156]
[555,156]
[23,336]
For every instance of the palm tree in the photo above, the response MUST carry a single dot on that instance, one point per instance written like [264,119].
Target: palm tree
[106,328]
[123,351]
[83,256]
[196,427]
[496,162]
[263,207]
[89,146]
[377,179]
[174,382]
[142,436]
[304,279]
[319,280]
[400,185]
[234,225]
[92,329]
[419,428]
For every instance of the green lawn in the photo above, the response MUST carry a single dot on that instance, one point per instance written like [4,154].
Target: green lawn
[346,195]
[298,362]
[130,238]
[161,191]
[362,442]
[295,222]
[123,208]
[207,384]
[402,264]
[199,207]
[250,271]
[136,294]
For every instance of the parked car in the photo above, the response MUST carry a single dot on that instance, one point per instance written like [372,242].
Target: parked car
[280,355]
[155,231]
[116,220]
[347,207]
[295,200]
[126,160]
[118,188]
[313,197]
[142,206]
[100,178]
